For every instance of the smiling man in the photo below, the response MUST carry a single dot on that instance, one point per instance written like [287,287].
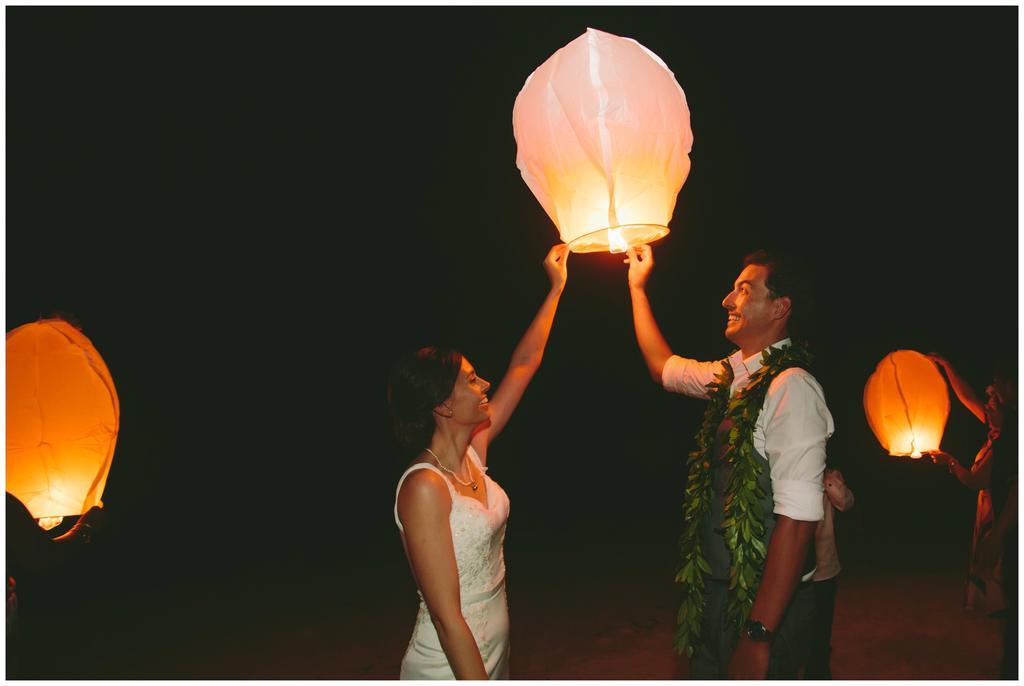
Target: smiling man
[754,488]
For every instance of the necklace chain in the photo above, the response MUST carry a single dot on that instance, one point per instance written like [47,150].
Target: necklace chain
[471,483]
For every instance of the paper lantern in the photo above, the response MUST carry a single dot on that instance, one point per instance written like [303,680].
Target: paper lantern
[603,140]
[62,420]
[907,403]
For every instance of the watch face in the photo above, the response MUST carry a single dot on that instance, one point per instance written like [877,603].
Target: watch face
[756,631]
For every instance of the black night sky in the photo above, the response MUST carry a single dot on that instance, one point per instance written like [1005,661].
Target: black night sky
[253,211]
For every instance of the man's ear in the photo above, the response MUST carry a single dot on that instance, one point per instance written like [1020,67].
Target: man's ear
[781,307]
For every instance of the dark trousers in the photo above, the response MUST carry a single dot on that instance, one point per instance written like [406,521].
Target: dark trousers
[718,640]
[821,636]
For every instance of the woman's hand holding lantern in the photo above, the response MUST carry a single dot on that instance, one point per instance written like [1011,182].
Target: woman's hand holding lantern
[941,457]
[556,265]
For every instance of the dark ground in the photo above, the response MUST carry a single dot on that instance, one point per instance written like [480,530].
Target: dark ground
[597,608]
[585,614]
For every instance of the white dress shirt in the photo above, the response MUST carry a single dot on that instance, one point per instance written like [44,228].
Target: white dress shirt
[790,432]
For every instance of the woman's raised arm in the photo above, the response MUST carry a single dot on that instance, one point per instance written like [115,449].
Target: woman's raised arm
[527,355]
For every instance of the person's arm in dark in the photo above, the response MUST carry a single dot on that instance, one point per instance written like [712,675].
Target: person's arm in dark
[839,494]
[962,389]
[32,549]
[979,476]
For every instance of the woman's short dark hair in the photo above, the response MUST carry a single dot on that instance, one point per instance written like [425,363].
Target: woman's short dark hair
[419,382]
[787,277]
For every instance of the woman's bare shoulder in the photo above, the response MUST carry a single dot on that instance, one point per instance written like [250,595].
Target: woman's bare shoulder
[424,489]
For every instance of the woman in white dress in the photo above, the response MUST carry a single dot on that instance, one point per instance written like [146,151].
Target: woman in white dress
[451,515]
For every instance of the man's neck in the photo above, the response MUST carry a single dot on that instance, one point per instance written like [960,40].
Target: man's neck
[749,351]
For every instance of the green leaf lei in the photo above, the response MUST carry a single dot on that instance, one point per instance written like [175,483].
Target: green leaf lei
[743,524]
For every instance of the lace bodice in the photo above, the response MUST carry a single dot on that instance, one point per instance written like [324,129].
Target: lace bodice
[478,532]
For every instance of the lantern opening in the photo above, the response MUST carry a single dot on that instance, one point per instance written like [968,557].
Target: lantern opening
[617,239]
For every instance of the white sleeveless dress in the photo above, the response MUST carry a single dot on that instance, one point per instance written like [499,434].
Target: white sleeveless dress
[478,534]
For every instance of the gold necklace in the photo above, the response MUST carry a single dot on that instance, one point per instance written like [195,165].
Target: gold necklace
[471,483]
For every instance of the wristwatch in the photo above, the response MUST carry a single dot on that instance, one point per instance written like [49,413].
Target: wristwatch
[756,631]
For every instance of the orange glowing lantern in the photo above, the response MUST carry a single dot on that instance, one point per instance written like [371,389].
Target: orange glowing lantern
[907,403]
[603,140]
[62,420]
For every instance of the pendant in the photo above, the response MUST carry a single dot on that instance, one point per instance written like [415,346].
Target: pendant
[473,484]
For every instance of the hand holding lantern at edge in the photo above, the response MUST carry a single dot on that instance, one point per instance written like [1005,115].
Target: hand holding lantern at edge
[86,526]
[941,457]
[640,259]
[834,475]
[835,486]
[556,265]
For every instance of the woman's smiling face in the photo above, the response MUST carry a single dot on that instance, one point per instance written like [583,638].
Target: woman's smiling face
[468,401]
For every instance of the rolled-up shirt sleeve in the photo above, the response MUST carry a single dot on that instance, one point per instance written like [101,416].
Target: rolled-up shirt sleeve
[797,426]
[689,377]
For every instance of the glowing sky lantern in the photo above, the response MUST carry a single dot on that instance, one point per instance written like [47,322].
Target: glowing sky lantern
[907,403]
[603,137]
[62,420]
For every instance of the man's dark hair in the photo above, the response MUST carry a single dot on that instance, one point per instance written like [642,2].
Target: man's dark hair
[787,277]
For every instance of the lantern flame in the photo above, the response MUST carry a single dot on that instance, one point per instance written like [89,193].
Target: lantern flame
[48,523]
[616,243]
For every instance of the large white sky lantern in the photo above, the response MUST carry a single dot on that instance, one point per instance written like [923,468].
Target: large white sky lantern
[603,137]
